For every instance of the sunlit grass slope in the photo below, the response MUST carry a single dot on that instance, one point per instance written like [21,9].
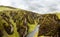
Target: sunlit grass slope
[5,34]
[31,26]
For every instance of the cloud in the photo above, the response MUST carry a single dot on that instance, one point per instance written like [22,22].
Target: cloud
[5,2]
[39,6]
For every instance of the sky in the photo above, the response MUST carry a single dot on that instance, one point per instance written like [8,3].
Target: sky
[37,6]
